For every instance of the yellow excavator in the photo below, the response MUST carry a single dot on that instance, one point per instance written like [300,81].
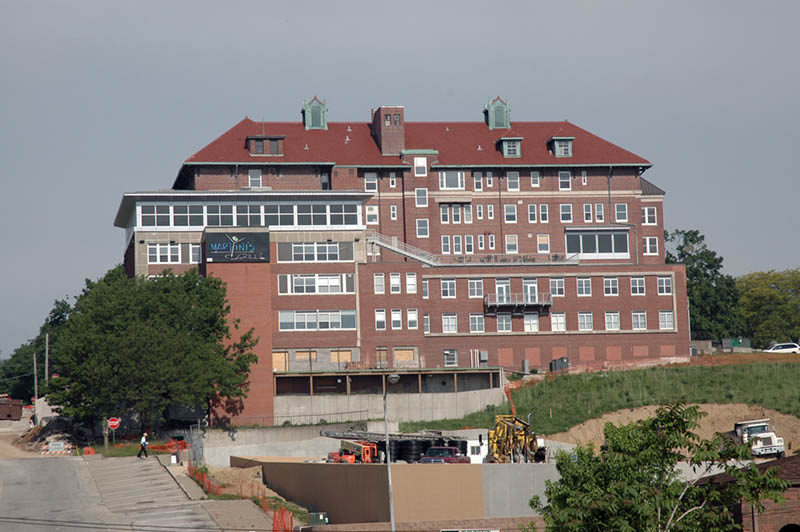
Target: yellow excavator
[512,439]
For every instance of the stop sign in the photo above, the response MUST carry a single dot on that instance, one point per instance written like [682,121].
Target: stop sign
[113,423]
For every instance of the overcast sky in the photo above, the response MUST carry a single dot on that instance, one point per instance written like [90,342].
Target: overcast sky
[100,98]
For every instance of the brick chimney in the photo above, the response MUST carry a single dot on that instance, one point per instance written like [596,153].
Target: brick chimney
[388,128]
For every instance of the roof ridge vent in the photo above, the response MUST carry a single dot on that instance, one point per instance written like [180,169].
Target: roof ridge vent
[480,148]
[306,147]
[348,128]
[346,139]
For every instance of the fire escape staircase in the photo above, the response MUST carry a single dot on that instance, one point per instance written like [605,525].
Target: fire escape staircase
[392,243]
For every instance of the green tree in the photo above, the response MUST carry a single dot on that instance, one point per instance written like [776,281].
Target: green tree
[632,484]
[137,345]
[770,304]
[713,296]
[16,373]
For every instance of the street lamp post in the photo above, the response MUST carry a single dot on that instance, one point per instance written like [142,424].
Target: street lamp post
[394,378]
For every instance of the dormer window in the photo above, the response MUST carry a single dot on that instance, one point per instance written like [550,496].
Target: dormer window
[265,145]
[512,147]
[259,147]
[315,114]
[562,146]
[498,114]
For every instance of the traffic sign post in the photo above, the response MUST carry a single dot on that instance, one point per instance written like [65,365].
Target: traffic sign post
[113,424]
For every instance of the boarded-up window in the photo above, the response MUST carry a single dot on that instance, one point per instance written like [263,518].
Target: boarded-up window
[305,355]
[403,355]
[381,356]
[341,356]
[280,361]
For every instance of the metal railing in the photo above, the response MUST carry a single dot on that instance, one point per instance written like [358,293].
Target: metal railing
[393,243]
[510,258]
[295,420]
[498,300]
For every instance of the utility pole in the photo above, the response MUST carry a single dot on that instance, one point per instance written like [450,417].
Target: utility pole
[35,390]
[46,357]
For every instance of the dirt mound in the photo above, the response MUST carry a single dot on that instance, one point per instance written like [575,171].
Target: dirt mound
[58,429]
[720,418]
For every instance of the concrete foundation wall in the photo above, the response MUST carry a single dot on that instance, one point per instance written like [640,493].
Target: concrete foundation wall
[402,407]
[507,488]
[312,448]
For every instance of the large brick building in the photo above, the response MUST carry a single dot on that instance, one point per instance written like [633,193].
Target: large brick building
[393,244]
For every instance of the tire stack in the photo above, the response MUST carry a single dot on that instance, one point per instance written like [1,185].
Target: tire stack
[411,450]
[462,446]
[394,449]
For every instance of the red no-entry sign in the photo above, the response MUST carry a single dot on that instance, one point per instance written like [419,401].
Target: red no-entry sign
[113,423]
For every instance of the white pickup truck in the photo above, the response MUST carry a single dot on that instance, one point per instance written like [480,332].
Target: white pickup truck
[760,434]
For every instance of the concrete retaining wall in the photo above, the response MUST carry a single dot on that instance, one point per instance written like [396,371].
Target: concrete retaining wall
[402,407]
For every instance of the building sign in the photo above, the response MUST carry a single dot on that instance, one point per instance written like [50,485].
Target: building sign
[237,247]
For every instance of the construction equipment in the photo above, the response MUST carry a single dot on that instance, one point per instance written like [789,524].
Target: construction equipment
[760,434]
[352,451]
[512,440]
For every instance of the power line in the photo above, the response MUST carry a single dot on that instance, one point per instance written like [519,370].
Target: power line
[17,377]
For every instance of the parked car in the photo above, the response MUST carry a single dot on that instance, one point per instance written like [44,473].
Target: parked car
[783,348]
[444,455]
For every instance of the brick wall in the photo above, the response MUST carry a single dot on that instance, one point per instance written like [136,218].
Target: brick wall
[775,516]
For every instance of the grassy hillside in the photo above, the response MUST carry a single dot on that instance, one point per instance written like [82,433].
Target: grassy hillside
[574,399]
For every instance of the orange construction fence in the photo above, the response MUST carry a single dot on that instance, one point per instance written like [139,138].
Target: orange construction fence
[203,480]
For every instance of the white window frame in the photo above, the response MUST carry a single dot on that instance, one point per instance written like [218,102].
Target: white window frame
[638,286]
[598,212]
[380,316]
[563,148]
[370,182]
[468,213]
[584,178]
[557,286]
[443,180]
[393,212]
[515,177]
[621,212]
[490,211]
[510,213]
[372,212]
[412,319]
[420,163]
[512,244]
[173,252]
[425,289]
[565,209]
[544,213]
[506,325]
[491,242]
[477,323]
[450,323]
[587,213]
[469,244]
[445,244]
[664,285]
[535,179]
[426,323]
[611,286]
[450,358]
[531,321]
[392,180]
[444,213]
[479,211]
[489,180]
[558,322]
[397,319]
[456,215]
[584,286]
[446,286]
[394,284]
[420,197]
[411,283]
[475,287]
[481,242]
[543,243]
[532,213]
[650,245]
[195,254]
[379,284]
[457,249]
[564,177]
[585,321]
[649,216]
[636,320]
[250,177]
[477,180]
[423,227]
[612,320]
[666,320]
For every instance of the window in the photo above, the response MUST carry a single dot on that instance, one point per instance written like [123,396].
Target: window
[584,178]
[557,286]
[450,357]
[481,240]
[444,214]
[637,286]
[449,323]
[420,167]
[259,149]
[510,213]
[600,244]
[397,120]
[445,244]
[451,180]
[316,284]
[393,212]
[648,216]
[534,179]
[476,324]
[490,211]
[372,214]
[543,243]
[250,215]
[585,321]
[621,212]
[319,320]
[532,213]
[511,148]
[392,180]
[255,175]
[426,323]
[479,211]
[422,228]
[456,214]
[380,319]
[566,213]
[491,241]
[387,120]
[612,321]
[394,283]
[421,197]
[194,251]
[397,319]
[222,215]
[666,321]
[563,147]
[544,215]
[315,252]
[584,286]
[411,318]
[531,322]
[274,147]
[558,322]
[587,212]
[191,215]
[512,179]
[611,286]
[411,283]
[598,212]
[665,286]
[503,322]
[371,182]
[489,180]
[475,288]
[478,182]
[425,289]
[467,214]
[448,288]
[163,253]
[651,245]
[564,181]
[511,244]
[469,244]
[456,244]
[639,320]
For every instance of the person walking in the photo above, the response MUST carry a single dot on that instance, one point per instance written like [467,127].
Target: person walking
[143,447]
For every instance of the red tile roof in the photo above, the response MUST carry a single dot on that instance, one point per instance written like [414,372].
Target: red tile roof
[351,143]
